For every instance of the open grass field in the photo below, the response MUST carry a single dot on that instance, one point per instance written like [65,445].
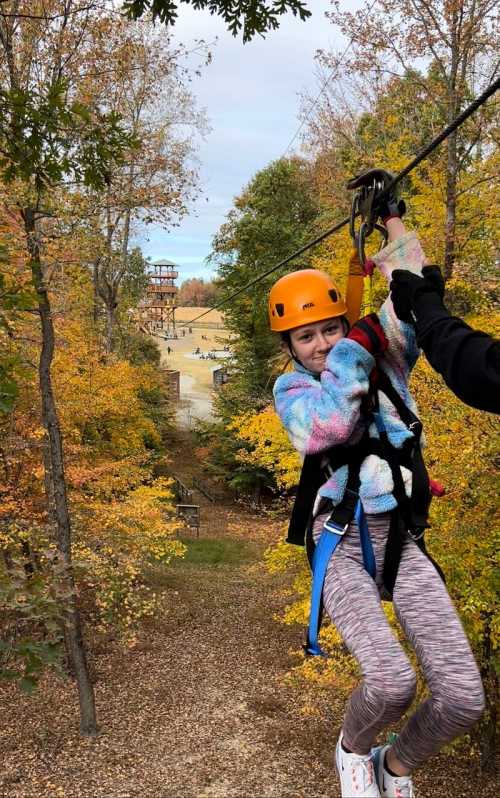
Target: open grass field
[187,313]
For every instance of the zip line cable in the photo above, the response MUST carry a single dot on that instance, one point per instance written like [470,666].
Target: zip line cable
[317,240]
[459,120]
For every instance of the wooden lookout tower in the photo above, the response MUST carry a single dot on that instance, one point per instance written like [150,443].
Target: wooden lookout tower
[158,310]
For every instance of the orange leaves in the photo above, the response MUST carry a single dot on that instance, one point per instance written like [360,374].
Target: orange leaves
[99,399]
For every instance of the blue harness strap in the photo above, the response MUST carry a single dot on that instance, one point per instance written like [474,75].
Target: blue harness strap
[366,543]
[331,536]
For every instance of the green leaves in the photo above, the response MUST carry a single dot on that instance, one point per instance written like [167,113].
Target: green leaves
[273,216]
[46,139]
[35,657]
[8,385]
[249,16]
[31,601]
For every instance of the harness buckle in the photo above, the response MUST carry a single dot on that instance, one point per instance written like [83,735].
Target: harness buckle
[418,534]
[337,530]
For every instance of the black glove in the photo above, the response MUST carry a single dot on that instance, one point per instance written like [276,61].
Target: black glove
[407,289]
[382,205]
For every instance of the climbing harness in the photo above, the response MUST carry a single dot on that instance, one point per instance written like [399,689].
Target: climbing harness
[408,518]
[332,533]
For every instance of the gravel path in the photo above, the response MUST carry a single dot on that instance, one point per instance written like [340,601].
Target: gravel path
[197,709]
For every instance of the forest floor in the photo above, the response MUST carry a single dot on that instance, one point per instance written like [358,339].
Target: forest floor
[198,707]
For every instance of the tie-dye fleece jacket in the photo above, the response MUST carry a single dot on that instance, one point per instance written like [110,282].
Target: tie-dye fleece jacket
[321,412]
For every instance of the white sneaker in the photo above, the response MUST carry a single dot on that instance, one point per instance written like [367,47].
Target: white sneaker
[390,786]
[356,773]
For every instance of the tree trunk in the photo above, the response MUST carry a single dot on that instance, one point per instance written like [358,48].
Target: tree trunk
[95,282]
[57,498]
[489,724]
[110,324]
[257,491]
[126,236]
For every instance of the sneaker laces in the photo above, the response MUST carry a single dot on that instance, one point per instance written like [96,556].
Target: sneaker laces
[404,787]
[363,766]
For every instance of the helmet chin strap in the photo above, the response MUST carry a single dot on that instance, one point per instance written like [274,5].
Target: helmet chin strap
[286,338]
[296,358]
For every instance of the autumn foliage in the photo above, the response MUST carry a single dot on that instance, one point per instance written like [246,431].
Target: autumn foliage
[123,518]
[390,111]
[84,410]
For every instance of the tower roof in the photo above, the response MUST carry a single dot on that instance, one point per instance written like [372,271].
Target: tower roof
[164,262]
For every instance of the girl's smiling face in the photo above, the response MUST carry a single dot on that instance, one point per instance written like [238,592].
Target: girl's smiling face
[311,343]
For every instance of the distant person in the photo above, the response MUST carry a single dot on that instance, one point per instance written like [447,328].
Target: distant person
[168,350]
[467,359]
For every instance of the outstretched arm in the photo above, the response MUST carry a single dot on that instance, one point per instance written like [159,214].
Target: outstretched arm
[402,252]
[467,359]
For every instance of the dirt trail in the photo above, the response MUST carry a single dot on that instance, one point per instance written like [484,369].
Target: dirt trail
[196,386]
[193,710]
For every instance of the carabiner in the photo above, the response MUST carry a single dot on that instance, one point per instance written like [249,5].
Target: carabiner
[362,204]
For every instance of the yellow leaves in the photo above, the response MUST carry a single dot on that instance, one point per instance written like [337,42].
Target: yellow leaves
[142,523]
[99,398]
[269,446]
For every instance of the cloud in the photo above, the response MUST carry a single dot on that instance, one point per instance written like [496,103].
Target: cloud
[251,94]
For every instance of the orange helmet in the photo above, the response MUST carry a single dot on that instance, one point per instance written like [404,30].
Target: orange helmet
[303,297]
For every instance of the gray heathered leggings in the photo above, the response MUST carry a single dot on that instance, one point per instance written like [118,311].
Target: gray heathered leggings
[429,620]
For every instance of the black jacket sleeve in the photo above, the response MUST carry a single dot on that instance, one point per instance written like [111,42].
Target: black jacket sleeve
[467,359]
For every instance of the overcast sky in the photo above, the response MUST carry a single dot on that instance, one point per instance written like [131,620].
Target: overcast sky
[251,96]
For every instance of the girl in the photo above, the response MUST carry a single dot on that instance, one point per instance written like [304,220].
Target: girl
[361,443]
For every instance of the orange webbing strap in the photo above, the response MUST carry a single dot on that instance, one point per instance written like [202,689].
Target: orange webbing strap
[354,291]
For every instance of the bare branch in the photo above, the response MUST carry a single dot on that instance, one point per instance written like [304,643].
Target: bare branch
[488,178]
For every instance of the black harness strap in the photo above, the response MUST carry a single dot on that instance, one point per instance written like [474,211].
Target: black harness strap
[313,476]
[311,479]
[410,516]
[418,507]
